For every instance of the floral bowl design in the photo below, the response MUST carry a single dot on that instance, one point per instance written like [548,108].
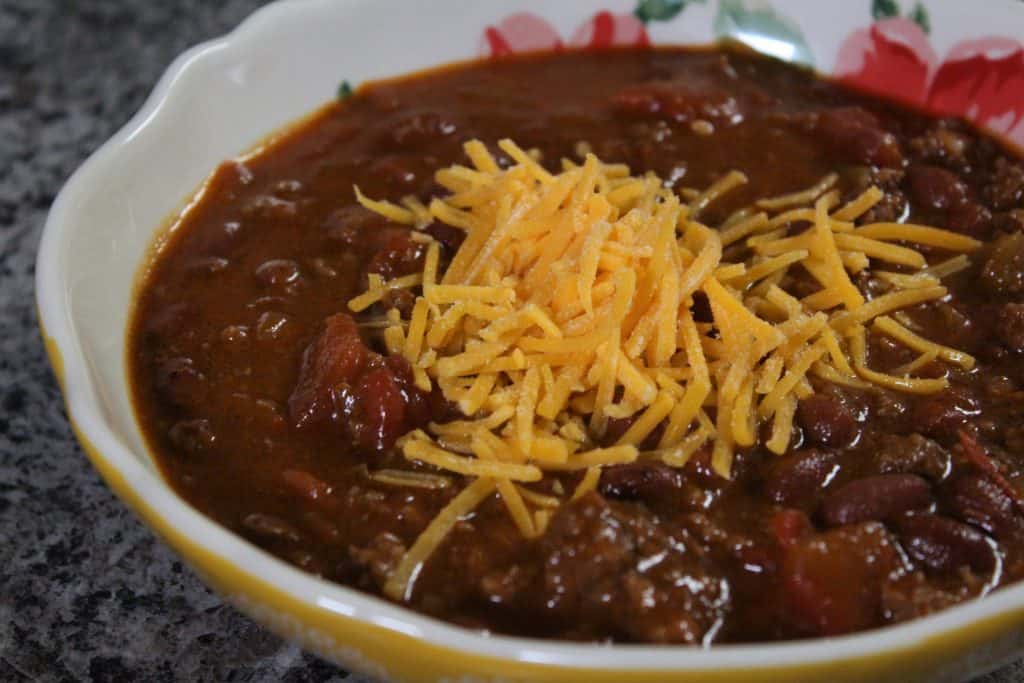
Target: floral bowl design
[981,78]
[222,98]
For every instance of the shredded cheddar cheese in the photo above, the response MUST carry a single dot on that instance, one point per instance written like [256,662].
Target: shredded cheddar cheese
[570,304]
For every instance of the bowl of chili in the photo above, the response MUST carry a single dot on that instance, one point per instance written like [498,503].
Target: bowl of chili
[241,365]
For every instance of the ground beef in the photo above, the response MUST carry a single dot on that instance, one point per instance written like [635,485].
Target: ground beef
[1005,188]
[944,144]
[621,569]
[912,453]
[380,557]
[1010,327]
[1003,272]
[914,596]
[889,180]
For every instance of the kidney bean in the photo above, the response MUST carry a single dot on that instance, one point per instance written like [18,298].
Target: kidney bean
[235,336]
[262,413]
[701,308]
[180,382]
[450,238]
[826,420]
[350,225]
[875,498]
[308,486]
[395,172]
[617,426]
[268,302]
[278,273]
[944,545]
[401,255]
[192,436]
[799,475]
[322,527]
[974,498]
[270,527]
[322,268]
[207,265]
[698,469]
[269,208]
[272,326]
[415,129]
[855,135]
[646,481]
[935,188]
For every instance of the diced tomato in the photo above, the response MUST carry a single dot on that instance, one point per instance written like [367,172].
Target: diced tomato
[833,581]
[377,416]
[335,357]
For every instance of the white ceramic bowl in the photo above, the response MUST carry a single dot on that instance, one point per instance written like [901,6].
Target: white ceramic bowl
[221,98]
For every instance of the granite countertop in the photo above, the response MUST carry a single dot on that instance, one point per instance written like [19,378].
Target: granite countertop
[86,591]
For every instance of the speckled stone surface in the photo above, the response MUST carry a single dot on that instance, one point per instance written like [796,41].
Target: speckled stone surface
[87,592]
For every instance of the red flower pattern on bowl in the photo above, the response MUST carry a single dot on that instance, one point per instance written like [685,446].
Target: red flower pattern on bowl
[520,32]
[605,29]
[526,32]
[982,80]
[891,57]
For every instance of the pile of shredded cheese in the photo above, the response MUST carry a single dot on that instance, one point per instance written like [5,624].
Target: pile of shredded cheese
[570,303]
